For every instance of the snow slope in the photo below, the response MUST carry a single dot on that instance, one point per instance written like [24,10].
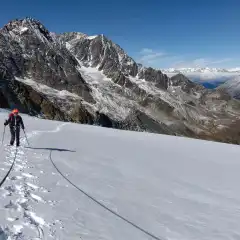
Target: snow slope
[169,187]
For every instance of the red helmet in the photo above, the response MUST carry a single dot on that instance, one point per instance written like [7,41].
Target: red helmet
[15,111]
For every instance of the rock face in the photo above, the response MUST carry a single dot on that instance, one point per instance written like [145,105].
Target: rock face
[90,79]
[185,84]
[232,87]
[31,101]
[155,76]
[98,51]
[28,50]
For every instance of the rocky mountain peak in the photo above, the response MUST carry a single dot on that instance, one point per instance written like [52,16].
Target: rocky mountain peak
[28,50]
[99,51]
[185,83]
[25,26]
[155,76]
[69,36]
[180,77]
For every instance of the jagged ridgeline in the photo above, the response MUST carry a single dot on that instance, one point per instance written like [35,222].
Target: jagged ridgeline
[90,79]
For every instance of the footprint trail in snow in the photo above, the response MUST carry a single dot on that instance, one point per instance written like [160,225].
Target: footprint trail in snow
[21,195]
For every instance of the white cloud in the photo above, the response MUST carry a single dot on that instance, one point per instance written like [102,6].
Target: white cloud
[149,55]
[234,69]
[200,62]
[161,59]
[222,60]
[153,58]
[146,51]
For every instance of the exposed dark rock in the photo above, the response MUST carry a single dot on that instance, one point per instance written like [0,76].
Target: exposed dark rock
[104,121]
[185,84]
[28,50]
[157,103]
[3,101]
[140,121]
[156,76]
[102,52]
[28,100]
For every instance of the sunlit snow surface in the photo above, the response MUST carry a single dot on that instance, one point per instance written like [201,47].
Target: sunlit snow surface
[174,188]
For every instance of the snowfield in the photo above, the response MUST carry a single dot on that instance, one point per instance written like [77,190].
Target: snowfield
[86,182]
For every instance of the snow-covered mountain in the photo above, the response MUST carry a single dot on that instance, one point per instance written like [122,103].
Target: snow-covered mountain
[86,182]
[208,77]
[90,79]
[232,87]
[201,70]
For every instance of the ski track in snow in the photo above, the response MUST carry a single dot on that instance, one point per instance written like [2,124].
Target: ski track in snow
[20,193]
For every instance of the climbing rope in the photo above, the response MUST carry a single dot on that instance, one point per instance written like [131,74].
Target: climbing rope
[102,205]
[10,169]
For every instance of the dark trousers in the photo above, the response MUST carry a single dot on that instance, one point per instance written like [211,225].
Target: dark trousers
[15,133]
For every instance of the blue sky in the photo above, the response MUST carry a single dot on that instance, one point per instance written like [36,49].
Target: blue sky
[157,33]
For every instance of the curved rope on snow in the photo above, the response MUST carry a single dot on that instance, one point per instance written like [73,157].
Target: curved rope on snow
[14,160]
[89,196]
[10,169]
[102,205]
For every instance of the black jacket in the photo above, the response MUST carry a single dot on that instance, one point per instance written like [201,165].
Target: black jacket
[14,121]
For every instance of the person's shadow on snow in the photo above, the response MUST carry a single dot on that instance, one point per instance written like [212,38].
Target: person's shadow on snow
[52,149]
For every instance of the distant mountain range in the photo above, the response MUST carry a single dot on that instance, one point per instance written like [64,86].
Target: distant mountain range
[201,70]
[90,79]
[209,77]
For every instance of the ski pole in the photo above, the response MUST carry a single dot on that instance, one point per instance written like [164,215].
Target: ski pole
[3,134]
[26,137]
